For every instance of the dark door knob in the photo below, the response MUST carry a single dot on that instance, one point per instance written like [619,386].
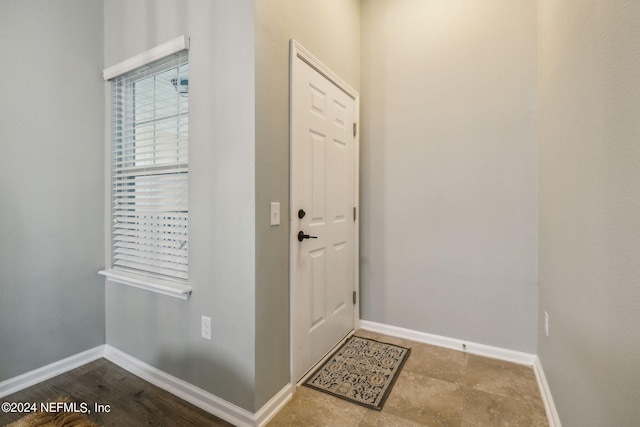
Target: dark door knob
[301,213]
[302,236]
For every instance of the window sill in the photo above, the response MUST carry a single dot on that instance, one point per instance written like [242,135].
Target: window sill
[152,284]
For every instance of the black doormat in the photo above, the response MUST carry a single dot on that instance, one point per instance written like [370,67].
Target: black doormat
[361,371]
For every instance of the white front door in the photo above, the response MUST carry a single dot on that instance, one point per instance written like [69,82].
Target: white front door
[323,216]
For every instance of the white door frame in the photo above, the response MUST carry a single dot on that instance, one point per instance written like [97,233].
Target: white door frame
[298,51]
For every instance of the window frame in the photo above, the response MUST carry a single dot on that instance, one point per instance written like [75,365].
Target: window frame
[171,286]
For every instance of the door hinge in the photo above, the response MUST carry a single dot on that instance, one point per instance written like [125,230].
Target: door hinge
[354,213]
[355,298]
[354,129]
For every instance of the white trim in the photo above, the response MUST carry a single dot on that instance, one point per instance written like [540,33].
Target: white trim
[160,286]
[180,388]
[197,396]
[297,50]
[36,376]
[480,350]
[356,202]
[184,390]
[146,57]
[547,398]
[452,343]
[274,405]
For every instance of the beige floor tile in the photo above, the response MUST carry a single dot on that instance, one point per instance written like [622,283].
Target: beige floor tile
[503,378]
[490,410]
[316,409]
[437,362]
[426,400]
[437,387]
[384,419]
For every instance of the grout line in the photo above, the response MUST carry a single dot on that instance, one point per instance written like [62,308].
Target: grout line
[464,386]
[362,419]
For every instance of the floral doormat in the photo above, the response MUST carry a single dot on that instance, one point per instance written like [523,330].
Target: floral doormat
[362,371]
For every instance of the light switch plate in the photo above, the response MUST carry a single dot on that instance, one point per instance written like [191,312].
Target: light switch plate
[275,213]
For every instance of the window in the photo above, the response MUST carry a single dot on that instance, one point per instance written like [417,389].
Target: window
[150,175]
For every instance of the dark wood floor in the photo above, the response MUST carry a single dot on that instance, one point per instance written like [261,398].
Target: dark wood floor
[133,401]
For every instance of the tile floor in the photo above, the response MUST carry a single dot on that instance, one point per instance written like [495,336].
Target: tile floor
[437,387]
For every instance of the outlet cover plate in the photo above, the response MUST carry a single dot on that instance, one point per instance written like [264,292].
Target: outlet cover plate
[206,328]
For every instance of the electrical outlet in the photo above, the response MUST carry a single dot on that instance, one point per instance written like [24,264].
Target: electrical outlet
[546,324]
[205,326]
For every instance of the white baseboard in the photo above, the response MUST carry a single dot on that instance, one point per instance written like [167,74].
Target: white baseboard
[176,386]
[273,406]
[478,349]
[197,396]
[36,376]
[184,390]
[452,343]
[545,391]
[241,417]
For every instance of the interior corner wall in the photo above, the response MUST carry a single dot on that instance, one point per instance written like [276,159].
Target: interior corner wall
[159,330]
[449,169]
[51,182]
[330,29]
[589,79]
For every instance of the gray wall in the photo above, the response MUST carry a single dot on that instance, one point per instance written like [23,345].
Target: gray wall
[51,182]
[449,168]
[160,330]
[276,23]
[449,184]
[589,210]
[239,164]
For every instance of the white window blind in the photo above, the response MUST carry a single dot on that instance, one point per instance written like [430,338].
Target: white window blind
[150,169]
